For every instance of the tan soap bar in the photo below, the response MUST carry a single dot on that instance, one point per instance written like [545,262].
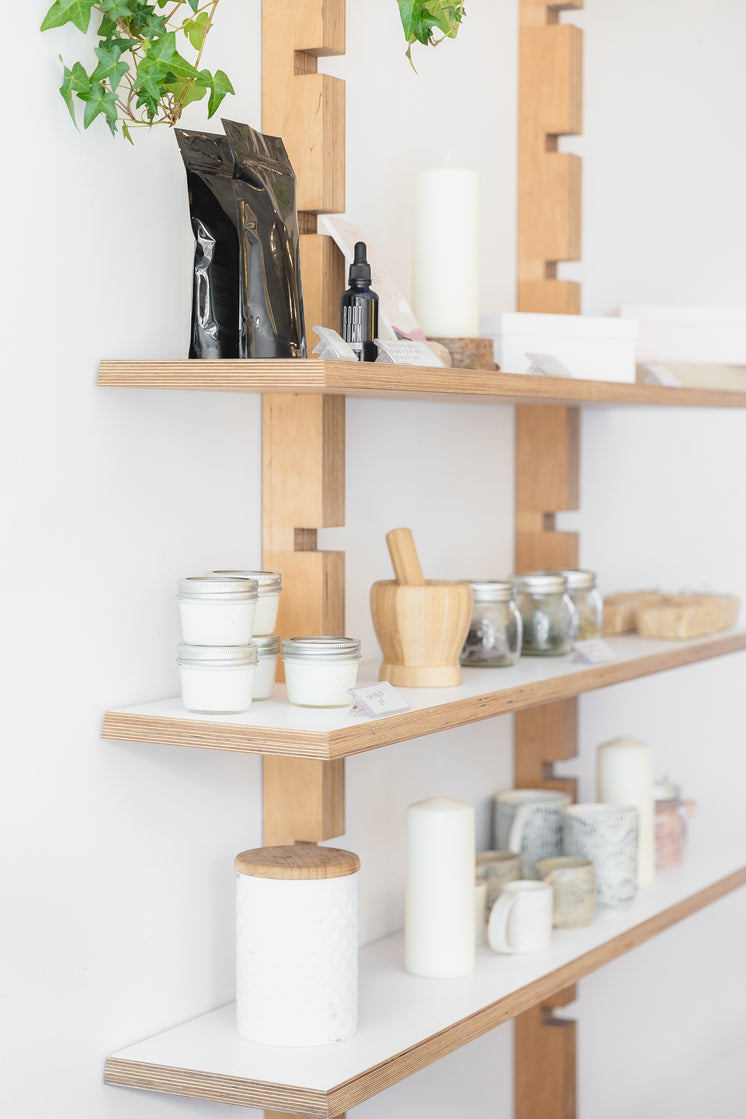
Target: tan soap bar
[688,615]
[620,610]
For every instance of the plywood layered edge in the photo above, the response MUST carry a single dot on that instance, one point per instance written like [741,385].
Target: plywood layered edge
[368,379]
[541,976]
[296,733]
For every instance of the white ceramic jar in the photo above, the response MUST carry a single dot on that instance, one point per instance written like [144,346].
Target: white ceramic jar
[269,588]
[217,611]
[268,650]
[319,671]
[216,679]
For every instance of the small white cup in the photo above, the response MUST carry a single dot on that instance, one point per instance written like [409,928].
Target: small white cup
[521,918]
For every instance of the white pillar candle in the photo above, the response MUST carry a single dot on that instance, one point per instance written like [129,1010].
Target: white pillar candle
[445,263]
[624,775]
[439,924]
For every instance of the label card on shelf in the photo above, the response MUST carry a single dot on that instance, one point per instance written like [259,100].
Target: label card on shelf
[378,699]
[547,365]
[594,651]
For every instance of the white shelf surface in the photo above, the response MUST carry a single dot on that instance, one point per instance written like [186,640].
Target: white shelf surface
[406,1022]
[276,726]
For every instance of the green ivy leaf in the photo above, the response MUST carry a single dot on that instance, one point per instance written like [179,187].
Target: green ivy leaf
[109,68]
[145,20]
[116,9]
[100,101]
[187,92]
[126,133]
[221,84]
[74,81]
[68,11]
[162,48]
[193,4]
[196,29]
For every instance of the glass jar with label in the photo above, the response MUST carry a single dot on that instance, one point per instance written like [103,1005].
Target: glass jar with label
[582,589]
[269,588]
[671,824]
[550,620]
[319,671]
[216,679]
[495,630]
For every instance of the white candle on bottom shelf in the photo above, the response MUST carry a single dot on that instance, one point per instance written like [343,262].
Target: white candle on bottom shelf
[439,923]
[445,257]
[624,775]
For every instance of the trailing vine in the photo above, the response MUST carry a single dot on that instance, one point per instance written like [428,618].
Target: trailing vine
[421,19]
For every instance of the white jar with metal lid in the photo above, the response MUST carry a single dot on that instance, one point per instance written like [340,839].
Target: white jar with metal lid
[296,944]
[319,671]
[267,650]
[269,588]
[583,590]
[216,679]
[217,611]
[495,631]
[550,620]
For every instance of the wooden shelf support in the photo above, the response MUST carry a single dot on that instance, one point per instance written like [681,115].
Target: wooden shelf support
[303,800]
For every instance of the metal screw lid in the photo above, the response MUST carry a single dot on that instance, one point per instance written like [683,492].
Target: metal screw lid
[268,581]
[322,648]
[268,646]
[202,586]
[540,582]
[229,655]
[492,590]
[577,580]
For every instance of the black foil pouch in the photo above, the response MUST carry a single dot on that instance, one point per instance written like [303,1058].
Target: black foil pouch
[216,318]
[271,312]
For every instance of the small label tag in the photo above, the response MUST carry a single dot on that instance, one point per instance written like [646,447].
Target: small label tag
[332,346]
[656,374]
[403,351]
[547,365]
[594,651]
[377,699]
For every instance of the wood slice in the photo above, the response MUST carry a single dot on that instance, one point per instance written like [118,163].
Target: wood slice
[299,861]
[469,353]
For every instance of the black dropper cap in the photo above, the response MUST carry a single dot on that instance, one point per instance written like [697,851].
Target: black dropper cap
[360,269]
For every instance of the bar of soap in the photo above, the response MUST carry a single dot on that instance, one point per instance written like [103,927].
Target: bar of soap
[620,610]
[688,615]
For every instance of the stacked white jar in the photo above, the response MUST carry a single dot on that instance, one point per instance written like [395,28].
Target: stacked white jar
[296,944]
[217,660]
[269,587]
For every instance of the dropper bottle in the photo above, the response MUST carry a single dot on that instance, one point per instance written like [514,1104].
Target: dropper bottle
[359,308]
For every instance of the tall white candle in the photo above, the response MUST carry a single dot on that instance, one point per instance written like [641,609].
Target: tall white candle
[445,260]
[624,775]
[439,924]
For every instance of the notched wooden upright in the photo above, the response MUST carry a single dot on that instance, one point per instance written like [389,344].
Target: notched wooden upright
[547,456]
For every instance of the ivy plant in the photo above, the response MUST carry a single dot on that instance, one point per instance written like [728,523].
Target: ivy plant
[142,77]
[422,19]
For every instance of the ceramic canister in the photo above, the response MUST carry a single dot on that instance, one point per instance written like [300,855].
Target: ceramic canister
[530,821]
[607,835]
[296,945]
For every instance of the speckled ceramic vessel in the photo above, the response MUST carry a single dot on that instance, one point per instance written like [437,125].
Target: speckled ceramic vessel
[607,835]
[574,882]
[530,821]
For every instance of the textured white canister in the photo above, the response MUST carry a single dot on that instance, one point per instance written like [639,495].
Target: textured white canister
[445,251]
[296,945]
[624,775]
[439,921]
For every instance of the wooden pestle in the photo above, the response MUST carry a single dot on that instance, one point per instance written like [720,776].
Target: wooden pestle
[404,558]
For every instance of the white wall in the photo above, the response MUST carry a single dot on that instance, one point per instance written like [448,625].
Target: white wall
[117,900]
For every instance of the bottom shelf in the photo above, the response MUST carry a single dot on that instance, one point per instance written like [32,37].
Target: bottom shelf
[406,1022]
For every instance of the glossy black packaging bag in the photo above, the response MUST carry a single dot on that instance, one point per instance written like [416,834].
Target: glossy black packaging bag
[272,322]
[246,298]
[216,321]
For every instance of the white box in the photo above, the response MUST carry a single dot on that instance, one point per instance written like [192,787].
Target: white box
[714,335]
[592,348]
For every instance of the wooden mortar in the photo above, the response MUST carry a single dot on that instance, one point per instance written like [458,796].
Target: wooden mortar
[421,624]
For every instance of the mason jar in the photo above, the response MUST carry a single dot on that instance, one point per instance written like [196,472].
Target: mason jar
[320,670]
[495,630]
[550,620]
[269,588]
[217,611]
[267,650]
[216,679]
[582,589]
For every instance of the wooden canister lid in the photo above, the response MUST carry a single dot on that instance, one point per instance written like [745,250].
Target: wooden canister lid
[301,861]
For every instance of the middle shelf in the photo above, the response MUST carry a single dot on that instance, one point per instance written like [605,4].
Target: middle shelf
[274,726]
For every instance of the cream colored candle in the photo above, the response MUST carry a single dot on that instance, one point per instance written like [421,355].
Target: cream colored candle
[439,923]
[624,775]
[445,261]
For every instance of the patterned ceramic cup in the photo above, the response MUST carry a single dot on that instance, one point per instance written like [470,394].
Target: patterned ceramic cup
[607,835]
[574,882]
[530,821]
[496,868]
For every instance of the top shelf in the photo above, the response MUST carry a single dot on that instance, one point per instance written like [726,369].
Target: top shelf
[399,382]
